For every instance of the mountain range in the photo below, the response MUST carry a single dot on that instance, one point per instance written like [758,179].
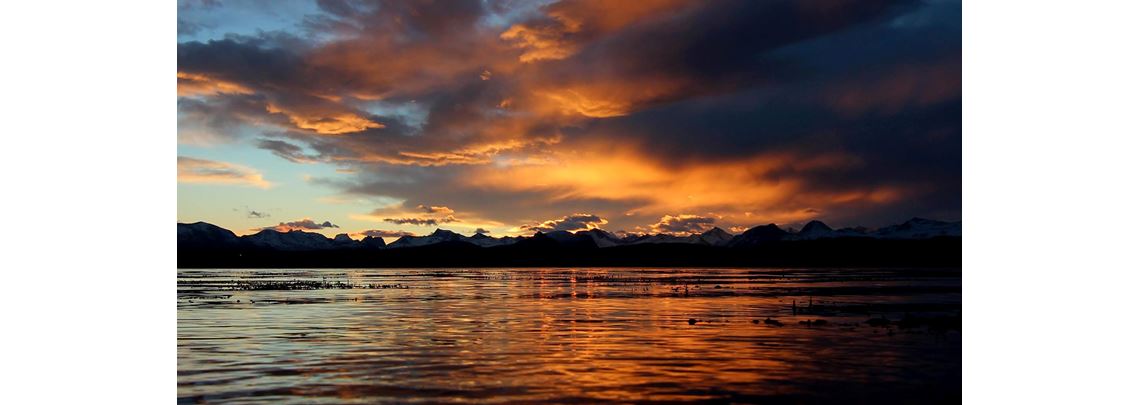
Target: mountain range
[202,235]
[914,243]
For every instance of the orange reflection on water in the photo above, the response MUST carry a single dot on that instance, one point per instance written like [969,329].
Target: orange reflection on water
[562,335]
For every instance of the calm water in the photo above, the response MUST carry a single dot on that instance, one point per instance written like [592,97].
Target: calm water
[567,335]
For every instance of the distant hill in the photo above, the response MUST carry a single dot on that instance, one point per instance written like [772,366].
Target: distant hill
[917,242]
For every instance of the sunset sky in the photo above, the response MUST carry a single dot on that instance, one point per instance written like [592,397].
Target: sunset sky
[516,116]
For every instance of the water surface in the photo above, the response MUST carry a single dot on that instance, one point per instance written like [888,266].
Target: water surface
[569,335]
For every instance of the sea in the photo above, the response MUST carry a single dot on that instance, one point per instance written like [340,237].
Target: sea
[570,335]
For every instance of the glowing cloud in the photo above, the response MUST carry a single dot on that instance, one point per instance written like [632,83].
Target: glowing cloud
[299,225]
[547,42]
[571,223]
[201,171]
[682,224]
[770,185]
[336,124]
[190,84]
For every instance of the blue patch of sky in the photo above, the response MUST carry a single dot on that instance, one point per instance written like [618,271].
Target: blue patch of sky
[291,197]
[411,113]
[215,20]
[513,12]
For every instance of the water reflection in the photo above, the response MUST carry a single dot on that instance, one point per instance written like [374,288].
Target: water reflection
[566,335]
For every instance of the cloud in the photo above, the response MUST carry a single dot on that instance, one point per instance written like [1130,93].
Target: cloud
[300,225]
[285,150]
[384,233]
[256,214]
[682,224]
[328,123]
[200,85]
[431,209]
[481,231]
[572,223]
[421,221]
[850,108]
[418,215]
[201,171]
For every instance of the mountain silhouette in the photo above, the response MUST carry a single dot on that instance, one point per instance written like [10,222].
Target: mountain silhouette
[916,242]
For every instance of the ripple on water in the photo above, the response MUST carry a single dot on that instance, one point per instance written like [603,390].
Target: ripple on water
[567,335]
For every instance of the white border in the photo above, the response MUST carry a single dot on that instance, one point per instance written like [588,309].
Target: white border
[89,199]
[1050,209]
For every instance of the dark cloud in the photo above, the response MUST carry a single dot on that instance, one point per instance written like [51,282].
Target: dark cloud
[300,225]
[481,231]
[682,224]
[416,98]
[285,150]
[421,221]
[572,223]
[242,62]
[384,233]
[256,214]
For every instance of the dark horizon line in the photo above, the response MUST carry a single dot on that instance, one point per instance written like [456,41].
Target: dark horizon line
[788,229]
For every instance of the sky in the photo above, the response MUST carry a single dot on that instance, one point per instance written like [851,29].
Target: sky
[510,117]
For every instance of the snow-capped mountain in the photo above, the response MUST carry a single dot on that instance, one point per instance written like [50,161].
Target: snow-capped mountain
[815,230]
[443,235]
[483,240]
[201,234]
[439,236]
[290,241]
[600,237]
[712,237]
[715,237]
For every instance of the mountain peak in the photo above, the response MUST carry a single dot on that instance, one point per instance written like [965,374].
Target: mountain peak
[443,232]
[715,237]
[716,231]
[758,235]
[815,226]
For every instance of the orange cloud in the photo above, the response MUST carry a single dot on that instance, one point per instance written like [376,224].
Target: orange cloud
[306,224]
[571,223]
[472,155]
[427,216]
[201,171]
[602,97]
[548,42]
[432,209]
[190,84]
[571,101]
[334,124]
[683,224]
[770,186]
[570,24]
